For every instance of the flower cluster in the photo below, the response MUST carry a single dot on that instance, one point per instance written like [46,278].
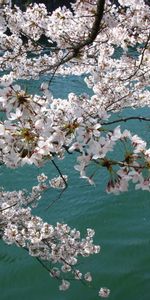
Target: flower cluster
[39,128]
[58,244]
[107,43]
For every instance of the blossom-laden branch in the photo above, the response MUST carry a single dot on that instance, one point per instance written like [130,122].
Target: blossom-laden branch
[58,245]
[110,46]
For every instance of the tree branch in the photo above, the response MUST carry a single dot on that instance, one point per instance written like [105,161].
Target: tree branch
[127,119]
[74,51]
[141,60]
[65,183]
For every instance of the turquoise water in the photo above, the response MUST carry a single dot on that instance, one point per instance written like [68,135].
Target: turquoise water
[121,224]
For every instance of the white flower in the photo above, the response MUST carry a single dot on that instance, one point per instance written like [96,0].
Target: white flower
[16,115]
[42,177]
[64,285]
[104,292]
[88,277]
[2,130]
[59,182]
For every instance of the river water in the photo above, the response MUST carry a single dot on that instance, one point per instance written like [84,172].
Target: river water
[121,223]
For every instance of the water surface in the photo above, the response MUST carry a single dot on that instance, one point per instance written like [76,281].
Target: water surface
[121,224]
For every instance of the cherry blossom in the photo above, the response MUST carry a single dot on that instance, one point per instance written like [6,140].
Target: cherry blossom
[109,45]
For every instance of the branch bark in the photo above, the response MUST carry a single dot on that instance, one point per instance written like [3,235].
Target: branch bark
[127,119]
[74,52]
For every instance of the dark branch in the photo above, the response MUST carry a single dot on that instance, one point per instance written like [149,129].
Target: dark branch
[75,49]
[141,60]
[127,119]
[65,183]
[8,207]
[95,28]
[61,175]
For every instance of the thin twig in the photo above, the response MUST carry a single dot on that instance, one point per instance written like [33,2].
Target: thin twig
[8,207]
[127,119]
[65,183]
